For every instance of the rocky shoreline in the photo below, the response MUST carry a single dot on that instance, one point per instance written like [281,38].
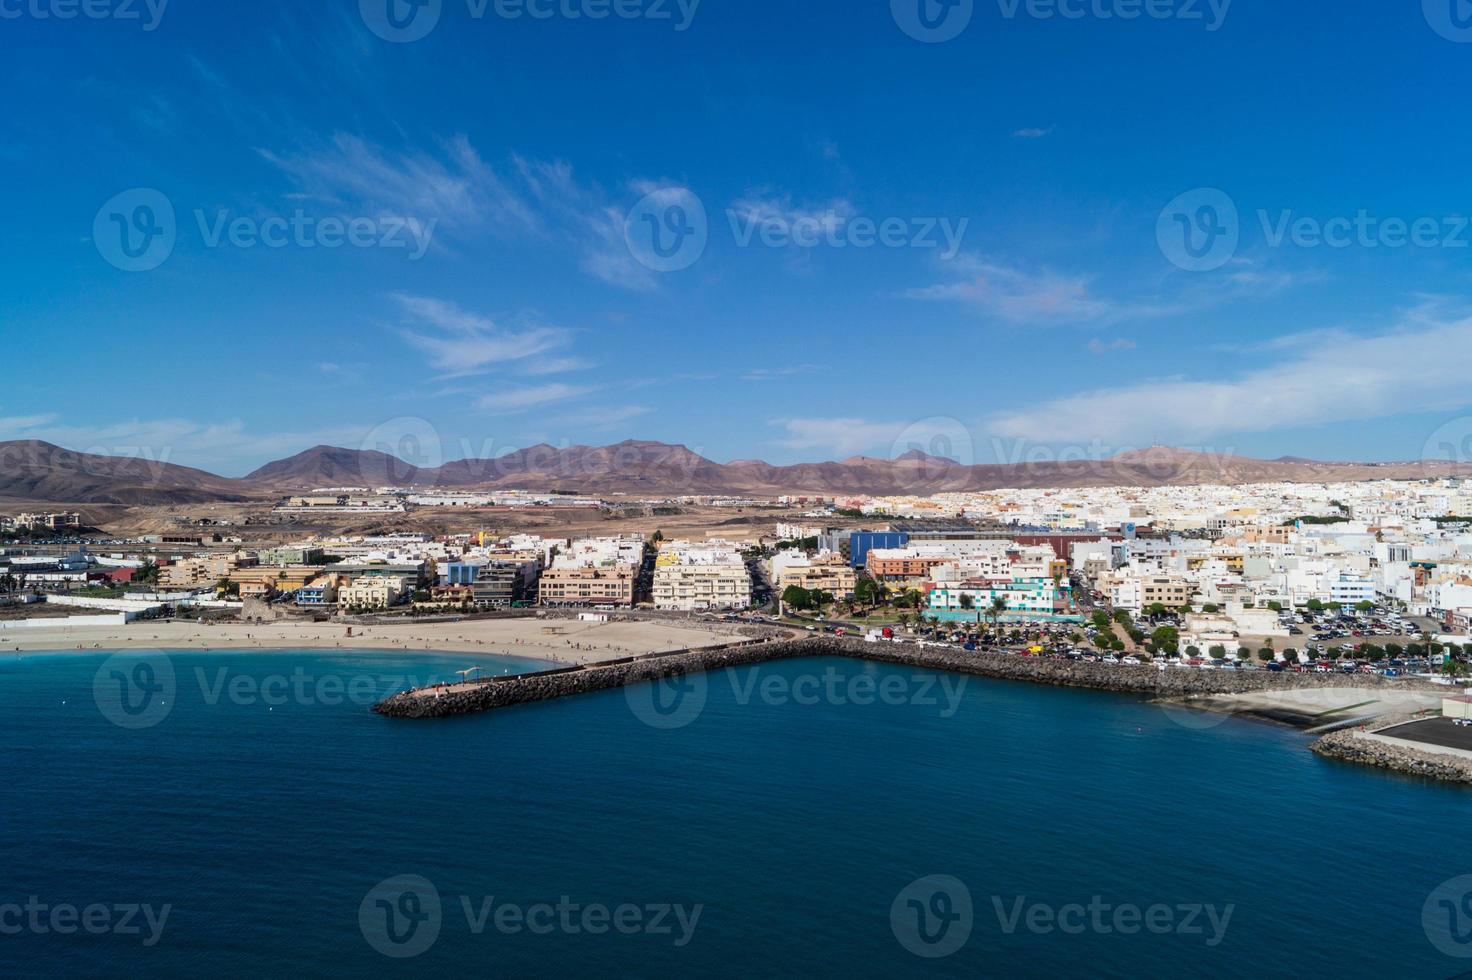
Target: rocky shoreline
[1143,681]
[1351,745]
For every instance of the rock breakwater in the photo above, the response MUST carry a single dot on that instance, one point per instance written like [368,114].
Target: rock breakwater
[1145,681]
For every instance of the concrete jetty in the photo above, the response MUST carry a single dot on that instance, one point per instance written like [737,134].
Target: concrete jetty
[1145,681]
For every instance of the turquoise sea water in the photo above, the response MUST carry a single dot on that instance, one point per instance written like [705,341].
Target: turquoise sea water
[794,813]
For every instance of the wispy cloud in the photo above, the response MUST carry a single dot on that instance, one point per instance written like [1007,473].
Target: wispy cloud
[778,373]
[838,436]
[458,343]
[1025,296]
[1033,133]
[1105,346]
[1354,378]
[453,186]
[511,400]
[763,207]
[603,419]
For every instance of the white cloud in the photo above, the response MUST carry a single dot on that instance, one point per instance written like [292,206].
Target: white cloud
[838,436]
[1353,378]
[511,400]
[763,208]
[604,418]
[1022,296]
[1033,133]
[1105,346]
[463,343]
[454,187]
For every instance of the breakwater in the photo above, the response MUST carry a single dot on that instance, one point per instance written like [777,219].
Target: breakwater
[1145,681]
[1353,746]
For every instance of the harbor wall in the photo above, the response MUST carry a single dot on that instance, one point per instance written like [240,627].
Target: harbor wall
[1145,681]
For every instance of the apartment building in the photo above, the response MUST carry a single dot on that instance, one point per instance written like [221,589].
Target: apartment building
[588,586]
[823,573]
[373,592]
[691,578]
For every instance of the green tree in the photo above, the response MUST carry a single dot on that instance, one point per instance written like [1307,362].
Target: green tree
[796,597]
[1166,638]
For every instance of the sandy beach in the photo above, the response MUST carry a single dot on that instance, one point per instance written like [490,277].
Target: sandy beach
[569,641]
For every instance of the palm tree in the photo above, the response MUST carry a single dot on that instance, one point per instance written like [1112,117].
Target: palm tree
[968,602]
[999,606]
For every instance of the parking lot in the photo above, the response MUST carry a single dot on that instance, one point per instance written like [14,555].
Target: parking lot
[1433,731]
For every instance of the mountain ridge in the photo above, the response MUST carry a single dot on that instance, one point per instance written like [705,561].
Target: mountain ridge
[43,472]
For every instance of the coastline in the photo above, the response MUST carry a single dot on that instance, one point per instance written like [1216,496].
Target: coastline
[565,641]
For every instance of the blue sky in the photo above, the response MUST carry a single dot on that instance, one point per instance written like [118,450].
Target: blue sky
[499,168]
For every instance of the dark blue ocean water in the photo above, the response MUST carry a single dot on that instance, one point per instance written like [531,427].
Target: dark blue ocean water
[266,805]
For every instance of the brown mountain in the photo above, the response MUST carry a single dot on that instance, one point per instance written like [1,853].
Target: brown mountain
[33,471]
[42,472]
